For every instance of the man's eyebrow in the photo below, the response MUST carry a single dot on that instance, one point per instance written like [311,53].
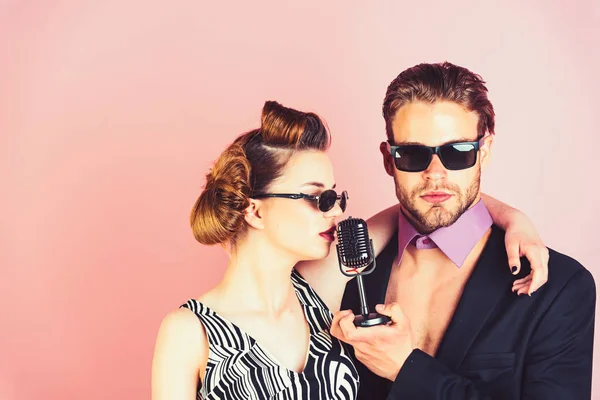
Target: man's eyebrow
[459,140]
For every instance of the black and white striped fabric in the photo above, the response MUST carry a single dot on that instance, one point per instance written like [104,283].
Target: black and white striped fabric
[238,368]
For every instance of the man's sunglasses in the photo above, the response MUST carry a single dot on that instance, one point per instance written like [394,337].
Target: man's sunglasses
[325,201]
[454,156]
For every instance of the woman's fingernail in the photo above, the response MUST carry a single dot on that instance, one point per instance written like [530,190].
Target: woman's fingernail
[513,269]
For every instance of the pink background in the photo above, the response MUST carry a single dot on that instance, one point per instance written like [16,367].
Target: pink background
[112,111]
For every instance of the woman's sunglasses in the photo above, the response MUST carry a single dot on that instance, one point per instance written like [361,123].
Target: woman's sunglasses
[454,156]
[325,201]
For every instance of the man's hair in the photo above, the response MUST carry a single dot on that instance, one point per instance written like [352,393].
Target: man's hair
[439,82]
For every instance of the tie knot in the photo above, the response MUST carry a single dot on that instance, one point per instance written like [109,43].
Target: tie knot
[424,242]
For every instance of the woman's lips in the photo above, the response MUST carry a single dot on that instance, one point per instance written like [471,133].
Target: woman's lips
[329,234]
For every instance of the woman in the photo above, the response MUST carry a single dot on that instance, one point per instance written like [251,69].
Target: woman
[259,334]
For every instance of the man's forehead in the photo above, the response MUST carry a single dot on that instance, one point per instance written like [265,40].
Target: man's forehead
[434,123]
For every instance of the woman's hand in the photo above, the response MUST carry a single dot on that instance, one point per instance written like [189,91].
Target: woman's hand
[522,240]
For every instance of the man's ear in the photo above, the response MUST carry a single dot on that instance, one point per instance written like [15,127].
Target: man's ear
[253,214]
[388,161]
[486,151]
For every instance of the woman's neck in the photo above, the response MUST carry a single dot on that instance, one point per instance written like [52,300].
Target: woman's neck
[258,277]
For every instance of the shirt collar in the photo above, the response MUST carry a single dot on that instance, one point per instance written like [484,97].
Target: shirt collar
[456,240]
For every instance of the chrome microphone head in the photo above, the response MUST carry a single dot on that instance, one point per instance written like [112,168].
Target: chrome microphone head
[354,246]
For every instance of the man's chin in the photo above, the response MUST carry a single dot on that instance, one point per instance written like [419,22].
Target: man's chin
[437,217]
[427,217]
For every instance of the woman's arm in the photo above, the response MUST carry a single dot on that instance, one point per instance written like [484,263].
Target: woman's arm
[521,240]
[180,357]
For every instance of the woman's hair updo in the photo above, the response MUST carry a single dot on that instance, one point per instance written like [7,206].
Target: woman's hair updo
[248,166]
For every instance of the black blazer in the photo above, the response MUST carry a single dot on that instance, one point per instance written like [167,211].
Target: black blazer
[498,345]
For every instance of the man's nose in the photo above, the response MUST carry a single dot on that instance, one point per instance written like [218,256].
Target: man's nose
[436,169]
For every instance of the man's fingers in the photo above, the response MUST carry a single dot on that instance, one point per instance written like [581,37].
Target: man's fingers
[339,315]
[336,329]
[391,310]
[348,328]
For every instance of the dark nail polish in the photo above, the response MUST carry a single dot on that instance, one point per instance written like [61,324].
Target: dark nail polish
[513,269]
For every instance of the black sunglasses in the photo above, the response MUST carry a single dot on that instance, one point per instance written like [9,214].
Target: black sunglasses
[325,201]
[454,156]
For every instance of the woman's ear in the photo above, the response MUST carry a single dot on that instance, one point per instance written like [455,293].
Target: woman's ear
[253,214]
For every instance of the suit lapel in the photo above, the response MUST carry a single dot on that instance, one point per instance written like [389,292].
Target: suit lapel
[489,282]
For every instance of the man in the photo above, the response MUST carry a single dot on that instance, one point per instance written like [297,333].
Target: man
[457,331]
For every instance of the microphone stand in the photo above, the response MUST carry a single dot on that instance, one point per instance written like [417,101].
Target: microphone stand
[366,318]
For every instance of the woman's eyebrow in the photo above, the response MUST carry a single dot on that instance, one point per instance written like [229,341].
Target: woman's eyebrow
[317,184]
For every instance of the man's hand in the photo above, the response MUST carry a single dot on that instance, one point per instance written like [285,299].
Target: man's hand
[383,348]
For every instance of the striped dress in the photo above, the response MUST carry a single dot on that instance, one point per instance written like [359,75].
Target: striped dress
[239,368]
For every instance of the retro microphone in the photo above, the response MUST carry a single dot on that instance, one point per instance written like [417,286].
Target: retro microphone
[355,251]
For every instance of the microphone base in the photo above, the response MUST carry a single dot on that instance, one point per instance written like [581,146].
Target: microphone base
[371,319]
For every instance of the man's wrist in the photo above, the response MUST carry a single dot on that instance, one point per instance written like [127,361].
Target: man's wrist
[392,376]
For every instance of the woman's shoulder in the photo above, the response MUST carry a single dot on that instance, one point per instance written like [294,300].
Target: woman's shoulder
[181,338]
[181,351]
[182,322]
[203,304]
